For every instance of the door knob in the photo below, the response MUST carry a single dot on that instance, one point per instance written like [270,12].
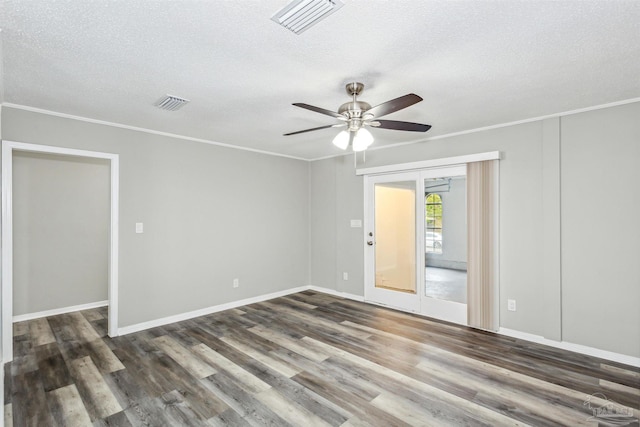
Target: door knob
[369,242]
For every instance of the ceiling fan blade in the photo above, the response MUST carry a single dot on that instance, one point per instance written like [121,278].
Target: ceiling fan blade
[318,128]
[396,125]
[394,105]
[319,110]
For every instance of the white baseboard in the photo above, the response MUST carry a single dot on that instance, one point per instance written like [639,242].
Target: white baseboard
[205,311]
[226,306]
[56,311]
[590,351]
[336,293]
[578,348]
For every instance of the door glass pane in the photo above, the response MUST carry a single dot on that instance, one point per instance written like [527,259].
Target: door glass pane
[395,236]
[446,238]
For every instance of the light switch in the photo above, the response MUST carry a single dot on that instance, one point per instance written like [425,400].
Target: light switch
[139,227]
[356,223]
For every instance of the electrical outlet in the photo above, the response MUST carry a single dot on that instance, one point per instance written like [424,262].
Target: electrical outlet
[236,283]
[345,276]
[511,305]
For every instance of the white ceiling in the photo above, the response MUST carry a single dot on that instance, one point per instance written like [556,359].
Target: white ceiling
[475,63]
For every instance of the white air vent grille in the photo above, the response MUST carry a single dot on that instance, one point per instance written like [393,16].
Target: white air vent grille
[171,103]
[299,15]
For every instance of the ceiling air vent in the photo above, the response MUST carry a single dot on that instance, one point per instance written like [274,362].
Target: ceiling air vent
[171,103]
[299,15]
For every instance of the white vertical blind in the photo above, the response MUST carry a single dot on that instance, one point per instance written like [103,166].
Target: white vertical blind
[482,245]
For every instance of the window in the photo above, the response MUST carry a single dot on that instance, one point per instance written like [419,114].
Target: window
[433,228]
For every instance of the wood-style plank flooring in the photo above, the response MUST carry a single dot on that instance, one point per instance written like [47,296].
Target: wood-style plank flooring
[308,359]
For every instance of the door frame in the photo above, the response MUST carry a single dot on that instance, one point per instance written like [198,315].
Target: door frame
[8,148]
[418,302]
[408,302]
[430,164]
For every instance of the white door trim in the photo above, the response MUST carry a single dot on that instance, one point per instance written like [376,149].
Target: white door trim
[417,303]
[426,167]
[406,302]
[431,163]
[7,234]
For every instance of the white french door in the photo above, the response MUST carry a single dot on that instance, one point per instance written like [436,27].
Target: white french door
[392,239]
[405,232]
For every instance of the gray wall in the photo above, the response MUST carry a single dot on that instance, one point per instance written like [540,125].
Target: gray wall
[520,169]
[206,220]
[210,213]
[600,170]
[61,231]
[322,223]
[335,246]
[593,294]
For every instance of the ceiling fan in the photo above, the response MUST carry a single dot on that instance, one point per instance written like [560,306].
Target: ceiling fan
[355,115]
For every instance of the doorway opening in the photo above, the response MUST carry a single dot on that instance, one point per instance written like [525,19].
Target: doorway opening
[8,148]
[446,238]
[455,231]
[416,255]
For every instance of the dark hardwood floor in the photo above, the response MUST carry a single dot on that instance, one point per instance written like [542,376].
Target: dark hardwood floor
[308,359]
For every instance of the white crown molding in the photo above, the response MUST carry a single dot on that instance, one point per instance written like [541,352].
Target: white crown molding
[270,153]
[498,126]
[145,130]
[56,311]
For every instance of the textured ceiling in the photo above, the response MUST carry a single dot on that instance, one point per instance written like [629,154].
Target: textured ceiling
[475,63]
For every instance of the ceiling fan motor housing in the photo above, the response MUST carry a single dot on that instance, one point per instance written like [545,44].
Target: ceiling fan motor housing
[354,110]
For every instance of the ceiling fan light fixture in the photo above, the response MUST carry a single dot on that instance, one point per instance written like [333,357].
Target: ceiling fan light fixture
[299,15]
[341,140]
[362,140]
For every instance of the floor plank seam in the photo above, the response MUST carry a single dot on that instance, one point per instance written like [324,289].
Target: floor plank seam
[306,359]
